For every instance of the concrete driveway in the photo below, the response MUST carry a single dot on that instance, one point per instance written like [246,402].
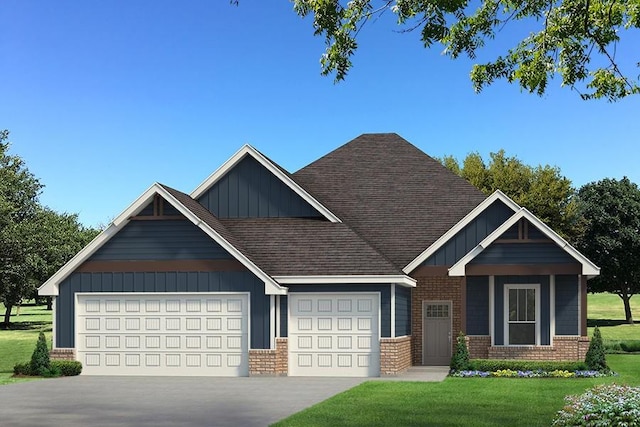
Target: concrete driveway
[162,401]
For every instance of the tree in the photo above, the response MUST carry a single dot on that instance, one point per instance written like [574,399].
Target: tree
[610,210]
[575,39]
[34,240]
[541,189]
[60,236]
[19,191]
[595,358]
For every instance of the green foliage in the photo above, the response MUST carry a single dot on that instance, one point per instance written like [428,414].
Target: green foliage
[573,39]
[596,358]
[460,358]
[22,369]
[493,365]
[611,219]
[34,240]
[67,368]
[40,363]
[541,189]
[603,405]
[628,346]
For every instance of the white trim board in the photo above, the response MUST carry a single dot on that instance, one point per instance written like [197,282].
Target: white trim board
[248,150]
[355,279]
[588,268]
[50,287]
[497,195]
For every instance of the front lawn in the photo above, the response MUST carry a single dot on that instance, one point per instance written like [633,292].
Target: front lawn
[17,343]
[457,401]
[607,311]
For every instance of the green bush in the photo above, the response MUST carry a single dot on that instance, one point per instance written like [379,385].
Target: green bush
[493,365]
[460,358]
[67,368]
[630,346]
[22,369]
[40,358]
[603,405]
[595,358]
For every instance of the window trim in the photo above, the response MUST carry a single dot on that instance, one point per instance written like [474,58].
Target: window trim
[507,288]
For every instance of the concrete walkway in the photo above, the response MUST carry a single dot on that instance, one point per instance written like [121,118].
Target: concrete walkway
[419,373]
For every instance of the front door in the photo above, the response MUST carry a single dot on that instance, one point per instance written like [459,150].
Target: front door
[437,333]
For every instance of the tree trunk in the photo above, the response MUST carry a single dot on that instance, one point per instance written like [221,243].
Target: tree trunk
[7,316]
[49,303]
[626,299]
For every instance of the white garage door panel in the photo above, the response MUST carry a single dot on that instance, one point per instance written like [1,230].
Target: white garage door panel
[163,334]
[334,335]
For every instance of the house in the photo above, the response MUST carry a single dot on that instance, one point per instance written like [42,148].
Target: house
[365,262]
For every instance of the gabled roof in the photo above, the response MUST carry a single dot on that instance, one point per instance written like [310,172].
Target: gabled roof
[272,167]
[188,207]
[497,195]
[390,193]
[589,269]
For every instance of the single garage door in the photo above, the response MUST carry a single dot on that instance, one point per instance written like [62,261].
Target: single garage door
[334,334]
[163,334]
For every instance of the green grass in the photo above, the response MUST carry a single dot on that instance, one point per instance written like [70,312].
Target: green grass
[17,343]
[457,401]
[607,312]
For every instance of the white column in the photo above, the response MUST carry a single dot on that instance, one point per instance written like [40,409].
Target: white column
[393,310]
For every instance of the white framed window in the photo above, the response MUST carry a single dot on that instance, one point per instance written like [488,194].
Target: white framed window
[522,314]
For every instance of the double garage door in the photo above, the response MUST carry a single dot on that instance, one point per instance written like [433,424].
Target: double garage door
[163,334]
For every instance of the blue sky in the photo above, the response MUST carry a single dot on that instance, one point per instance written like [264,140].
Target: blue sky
[104,98]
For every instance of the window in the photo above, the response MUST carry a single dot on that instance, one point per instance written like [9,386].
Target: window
[522,303]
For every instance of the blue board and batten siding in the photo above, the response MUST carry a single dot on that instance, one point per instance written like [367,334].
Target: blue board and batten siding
[179,282]
[477,305]
[403,311]
[523,253]
[472,234]
[567,304]
[249,190]
[160,240]
[385,302]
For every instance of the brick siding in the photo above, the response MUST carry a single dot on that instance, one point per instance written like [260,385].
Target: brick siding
[395,355]
[478,346]
[282,356]
[564,348]
[434,288]
[62,354]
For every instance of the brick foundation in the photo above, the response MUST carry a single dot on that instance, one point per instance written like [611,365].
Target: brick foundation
[270,362]
[62,354]
[395,355]
[563,348]
[282,356]
[434,288]
[478,346]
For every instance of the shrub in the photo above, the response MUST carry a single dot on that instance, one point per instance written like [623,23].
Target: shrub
[492,365]
[67,368]
[22,369]
[460,358]
[40,358]
[595,358]
[603,405]
[630,346]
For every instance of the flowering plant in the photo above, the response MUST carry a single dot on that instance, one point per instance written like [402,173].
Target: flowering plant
[509,373]
[602,405]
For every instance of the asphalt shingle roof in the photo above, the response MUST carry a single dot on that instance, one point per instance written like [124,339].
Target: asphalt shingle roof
[296,246]
[390,193]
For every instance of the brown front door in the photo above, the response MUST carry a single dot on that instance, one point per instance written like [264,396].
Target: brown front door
[437,333]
